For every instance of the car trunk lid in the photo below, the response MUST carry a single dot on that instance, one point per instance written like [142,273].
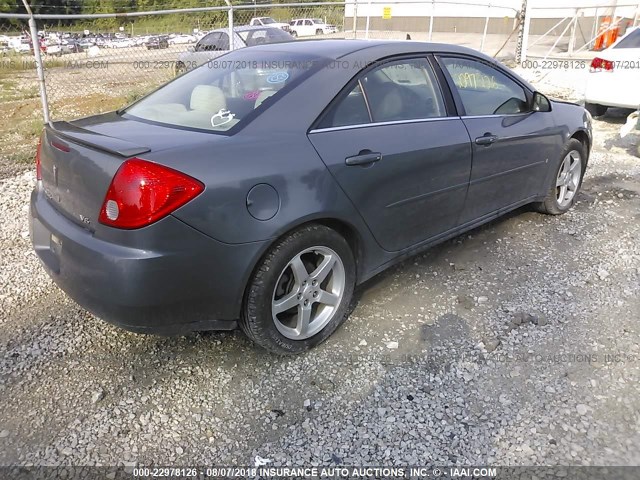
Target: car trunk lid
[77,166]
[79,159]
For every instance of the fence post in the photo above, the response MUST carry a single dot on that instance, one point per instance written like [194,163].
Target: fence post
[230,21]
[35,42]
[355,19]
[366,30]
[433,7]
[523,33]
[486,25]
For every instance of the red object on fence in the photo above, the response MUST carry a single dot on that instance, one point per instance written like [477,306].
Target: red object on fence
[607,34]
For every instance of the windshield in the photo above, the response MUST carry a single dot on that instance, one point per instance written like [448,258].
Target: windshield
[268,20]
[317,20]
[225,91]
[630,41]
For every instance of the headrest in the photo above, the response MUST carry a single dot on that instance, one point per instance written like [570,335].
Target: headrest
[208,98]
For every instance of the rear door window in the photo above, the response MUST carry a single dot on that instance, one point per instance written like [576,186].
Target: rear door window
[394,91]
[403,90]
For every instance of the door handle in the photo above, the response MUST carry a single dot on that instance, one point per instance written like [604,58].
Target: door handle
[487,139]
[365,157]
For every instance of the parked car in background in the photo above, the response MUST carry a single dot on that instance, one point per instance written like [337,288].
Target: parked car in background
[86,42]
[54,49]
[182,39]
[71,46]
[216,43]
[218,201]
[614,76]
[157,42]
[22,48]
[268,22]
[61,48]
[120,43]
[305,27]
[142,40]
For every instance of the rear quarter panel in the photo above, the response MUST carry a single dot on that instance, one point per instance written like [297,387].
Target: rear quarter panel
[231,167]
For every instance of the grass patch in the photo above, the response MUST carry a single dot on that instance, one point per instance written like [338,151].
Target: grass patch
[133,96]
[12,90]
[21,112]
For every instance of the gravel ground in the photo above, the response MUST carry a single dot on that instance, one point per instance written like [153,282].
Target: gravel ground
[515,344]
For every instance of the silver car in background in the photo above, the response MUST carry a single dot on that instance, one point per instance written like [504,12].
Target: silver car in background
[216,43]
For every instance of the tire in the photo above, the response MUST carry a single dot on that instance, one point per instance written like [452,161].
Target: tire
[319,31]
[294,33]
[279,276]
[595,109]
[566,180]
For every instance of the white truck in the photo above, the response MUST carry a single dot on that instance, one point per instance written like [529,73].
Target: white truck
[268,22]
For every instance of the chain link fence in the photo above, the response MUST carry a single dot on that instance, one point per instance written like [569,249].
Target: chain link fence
[101,62]
[20,105]
[579,32]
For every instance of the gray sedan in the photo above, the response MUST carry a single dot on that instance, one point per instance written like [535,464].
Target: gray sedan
[261,192]
[216,43]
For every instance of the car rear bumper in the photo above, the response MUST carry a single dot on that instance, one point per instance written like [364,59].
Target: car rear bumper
[195,284]
[612,89]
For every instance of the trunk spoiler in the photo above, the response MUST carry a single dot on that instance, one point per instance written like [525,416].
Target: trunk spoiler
[95,140]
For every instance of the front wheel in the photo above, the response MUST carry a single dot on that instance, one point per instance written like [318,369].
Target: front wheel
[319,31]
[294,33]
[566,181]
[300,292]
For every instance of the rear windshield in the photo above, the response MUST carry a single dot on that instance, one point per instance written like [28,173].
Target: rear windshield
[226,92]
[264,35]
[632,40]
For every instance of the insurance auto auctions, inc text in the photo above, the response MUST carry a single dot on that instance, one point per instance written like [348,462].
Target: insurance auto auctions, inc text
[372,472]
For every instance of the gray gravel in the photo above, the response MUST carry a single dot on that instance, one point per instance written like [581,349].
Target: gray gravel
[515,344]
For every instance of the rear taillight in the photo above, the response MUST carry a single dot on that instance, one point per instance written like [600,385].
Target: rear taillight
[598,64]
[38,166]
[143,192]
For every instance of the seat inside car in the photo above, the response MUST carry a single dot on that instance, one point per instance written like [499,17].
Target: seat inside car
[207,98]
[204,103]
[386,102]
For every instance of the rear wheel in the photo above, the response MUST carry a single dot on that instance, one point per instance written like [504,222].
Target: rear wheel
[595,109]
[294,33]
[319,31]
[566,181]
[300,292]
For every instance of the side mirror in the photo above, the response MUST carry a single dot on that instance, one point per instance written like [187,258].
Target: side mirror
[540,103]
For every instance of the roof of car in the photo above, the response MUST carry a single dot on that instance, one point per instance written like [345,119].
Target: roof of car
[338,48]
[245,28]
[367,50]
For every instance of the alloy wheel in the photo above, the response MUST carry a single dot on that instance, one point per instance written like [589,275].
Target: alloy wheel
[568,179]
[308,293]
